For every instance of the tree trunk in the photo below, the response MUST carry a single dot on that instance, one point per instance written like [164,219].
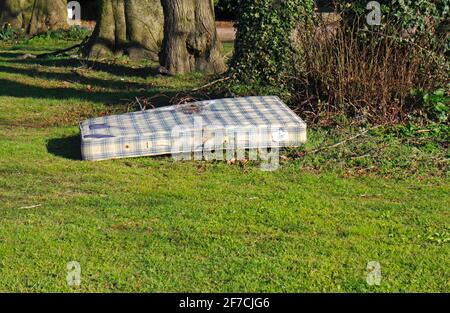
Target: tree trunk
[190,37]
[34,16]
[131,27]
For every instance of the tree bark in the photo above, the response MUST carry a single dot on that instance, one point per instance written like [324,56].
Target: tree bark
[34,16]
[131,27]
[190,37]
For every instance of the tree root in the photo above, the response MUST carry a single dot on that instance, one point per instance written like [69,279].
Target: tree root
[50,54]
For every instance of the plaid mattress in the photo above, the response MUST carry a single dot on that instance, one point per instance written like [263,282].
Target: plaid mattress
[250,122]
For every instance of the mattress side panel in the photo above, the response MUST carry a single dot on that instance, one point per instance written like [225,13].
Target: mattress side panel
[126,147]
[213,138]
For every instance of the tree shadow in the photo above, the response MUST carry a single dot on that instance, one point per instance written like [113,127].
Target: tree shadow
[10,55]
[20,90]
[111,68]
[66,147]
[95,64]
[75,77]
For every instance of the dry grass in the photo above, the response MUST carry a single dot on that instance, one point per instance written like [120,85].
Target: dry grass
[364,73]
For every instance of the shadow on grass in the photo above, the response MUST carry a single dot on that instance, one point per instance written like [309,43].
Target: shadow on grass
[76,77]
[66,147]
[20,90]
[111,68]
[9,55]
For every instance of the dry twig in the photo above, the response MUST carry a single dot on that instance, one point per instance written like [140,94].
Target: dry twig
[211,83]
[344,141]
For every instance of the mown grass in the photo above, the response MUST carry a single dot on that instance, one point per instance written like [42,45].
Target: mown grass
[153,224]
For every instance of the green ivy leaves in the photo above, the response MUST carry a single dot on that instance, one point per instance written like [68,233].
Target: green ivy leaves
[264,39]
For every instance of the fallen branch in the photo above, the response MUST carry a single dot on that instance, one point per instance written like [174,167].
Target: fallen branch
[30,207]
[58,52]
[54,53]
[211,83]
[140,104]
[344,141]
[360,156]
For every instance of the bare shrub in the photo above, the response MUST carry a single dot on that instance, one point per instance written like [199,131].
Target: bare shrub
[364,73]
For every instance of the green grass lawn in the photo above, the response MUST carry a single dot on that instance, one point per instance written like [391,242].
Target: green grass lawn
[155,225]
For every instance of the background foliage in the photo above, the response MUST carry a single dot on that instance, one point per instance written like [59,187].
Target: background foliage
[263,47]
[410,19]
[226,9]
[343,66]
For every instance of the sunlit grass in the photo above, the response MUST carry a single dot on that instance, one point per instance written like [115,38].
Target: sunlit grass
[153,224]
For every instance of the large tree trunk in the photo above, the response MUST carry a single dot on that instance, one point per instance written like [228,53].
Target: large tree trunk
[34,16]
[131,27]
[190,37]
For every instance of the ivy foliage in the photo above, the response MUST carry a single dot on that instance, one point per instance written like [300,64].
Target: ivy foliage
[263,47]
[418,14]
[410,18]
[426,19]
[414,24]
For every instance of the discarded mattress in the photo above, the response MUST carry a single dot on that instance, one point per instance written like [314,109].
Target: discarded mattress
[249,123]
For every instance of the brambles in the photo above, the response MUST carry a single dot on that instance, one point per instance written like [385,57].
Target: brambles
[340,65]
[437,104]
[365,74]
[369,73]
